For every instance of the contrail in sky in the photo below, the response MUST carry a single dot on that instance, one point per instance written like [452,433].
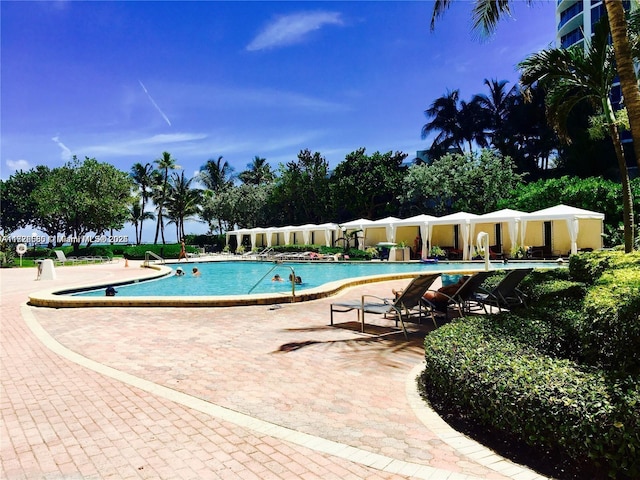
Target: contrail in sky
[154,103]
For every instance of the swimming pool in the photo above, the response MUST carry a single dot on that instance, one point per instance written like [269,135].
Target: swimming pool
[246,277]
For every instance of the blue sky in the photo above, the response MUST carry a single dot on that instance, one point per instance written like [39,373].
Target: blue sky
[124,81]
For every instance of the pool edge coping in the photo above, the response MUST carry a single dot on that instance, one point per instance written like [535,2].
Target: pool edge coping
[57,297]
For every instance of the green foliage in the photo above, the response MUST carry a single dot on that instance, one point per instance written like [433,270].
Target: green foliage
[610,327]
[546,402]
[170,250]
[301,193]
[455,182]
[562,374]
[367,185]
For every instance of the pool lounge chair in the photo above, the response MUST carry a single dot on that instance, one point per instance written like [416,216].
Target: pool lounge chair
[462,300]
[62,259]
[505,295]
[410,300]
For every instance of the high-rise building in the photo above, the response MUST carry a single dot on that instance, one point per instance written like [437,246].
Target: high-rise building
[576,20]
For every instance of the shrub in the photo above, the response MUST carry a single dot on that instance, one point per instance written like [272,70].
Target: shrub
[507,385]
[170,250]
[610,326]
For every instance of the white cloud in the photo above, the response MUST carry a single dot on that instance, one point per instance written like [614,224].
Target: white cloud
[291,29]
[146,145]
[66,154]
[15,165]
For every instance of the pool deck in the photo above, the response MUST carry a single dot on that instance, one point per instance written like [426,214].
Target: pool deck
[262,391]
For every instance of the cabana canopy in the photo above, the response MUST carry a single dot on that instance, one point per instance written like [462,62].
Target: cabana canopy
[574,218]
[583,227]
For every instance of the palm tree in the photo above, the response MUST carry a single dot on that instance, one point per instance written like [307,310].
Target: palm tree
[574,76]
[497,106]
[182,202]
[137,215]
[625,69]
[456,125]
[141,175]
[258,172]
[165,163]
[217,176]
[487,13]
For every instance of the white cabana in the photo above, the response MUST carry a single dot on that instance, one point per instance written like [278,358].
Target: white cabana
[493,222]
[571,228]
[404,230]
[463,220]
[355,225]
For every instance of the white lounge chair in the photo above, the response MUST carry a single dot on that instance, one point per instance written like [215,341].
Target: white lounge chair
[61,258]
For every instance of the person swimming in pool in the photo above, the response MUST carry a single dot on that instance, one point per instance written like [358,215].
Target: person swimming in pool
[276,278]
[195,272]
[179,272]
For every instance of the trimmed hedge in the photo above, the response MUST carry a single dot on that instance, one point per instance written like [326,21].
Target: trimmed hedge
[169,250]
[610,326]
[546,402]
[562,374]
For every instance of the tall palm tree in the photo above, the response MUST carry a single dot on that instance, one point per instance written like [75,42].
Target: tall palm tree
[217,176]
[497,106]
[258,172]
[457,122]
[141,175]
[137,215]
[183,201]
[165,163]
[576,75]
[487,13]
[625,68]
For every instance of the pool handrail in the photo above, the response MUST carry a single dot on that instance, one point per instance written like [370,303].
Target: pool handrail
[150,253]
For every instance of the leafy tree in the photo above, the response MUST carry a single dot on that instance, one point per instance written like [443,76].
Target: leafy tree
[301,191]
[142,176]
[367,185]
[472,182]
[161,190]
[576,75]
[86,197]
[18,205]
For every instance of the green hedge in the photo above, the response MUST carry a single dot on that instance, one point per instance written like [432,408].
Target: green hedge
[546,402]
[610,326]
[563,373]
[169,250]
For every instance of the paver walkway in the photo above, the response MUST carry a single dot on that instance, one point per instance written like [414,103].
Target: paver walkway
[198,393]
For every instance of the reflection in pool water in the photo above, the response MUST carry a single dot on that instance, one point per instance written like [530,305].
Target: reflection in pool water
[244,277]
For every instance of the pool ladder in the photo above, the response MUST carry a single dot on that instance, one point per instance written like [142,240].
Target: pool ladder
[293,276]
[148,254]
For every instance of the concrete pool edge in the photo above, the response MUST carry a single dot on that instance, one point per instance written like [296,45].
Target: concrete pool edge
[61,298]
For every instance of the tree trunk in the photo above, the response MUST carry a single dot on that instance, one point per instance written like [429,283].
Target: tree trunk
[626,72]
[627,202]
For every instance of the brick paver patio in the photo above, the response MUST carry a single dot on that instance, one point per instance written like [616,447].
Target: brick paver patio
[227,392]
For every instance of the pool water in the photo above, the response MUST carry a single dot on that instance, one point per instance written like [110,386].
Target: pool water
[246,277]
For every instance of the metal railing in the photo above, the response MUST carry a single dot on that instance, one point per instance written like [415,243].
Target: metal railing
[148,254]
